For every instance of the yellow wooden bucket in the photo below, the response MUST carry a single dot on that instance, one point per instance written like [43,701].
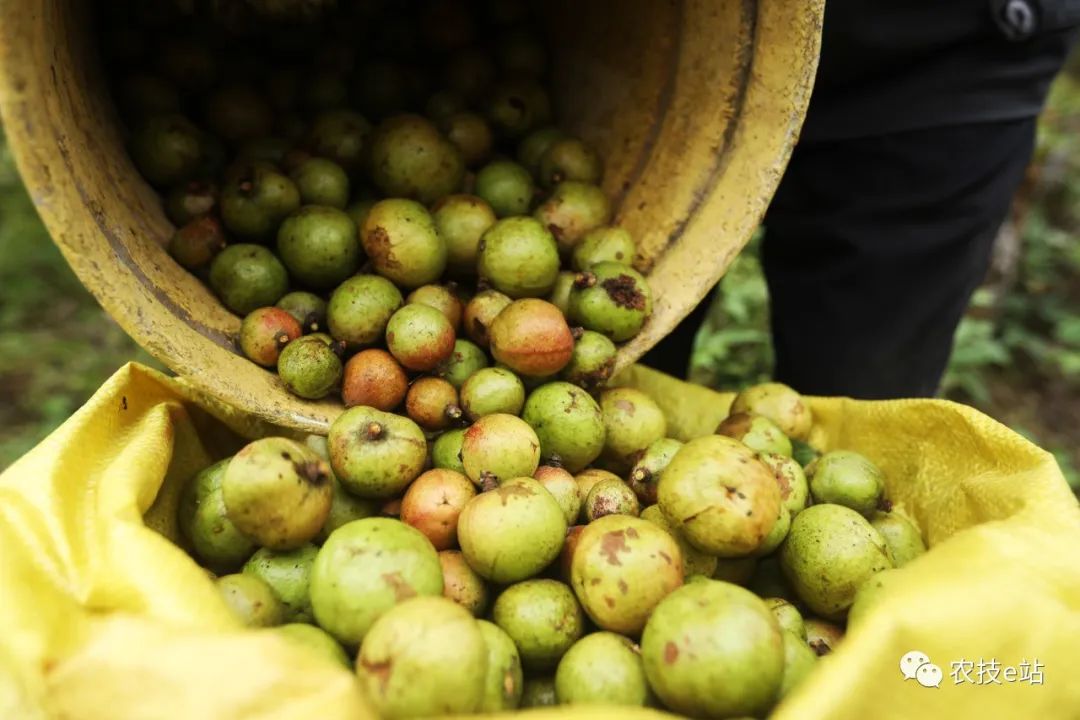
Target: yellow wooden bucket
[694,104]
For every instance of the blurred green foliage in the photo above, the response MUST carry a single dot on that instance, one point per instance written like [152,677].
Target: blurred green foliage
[56,345]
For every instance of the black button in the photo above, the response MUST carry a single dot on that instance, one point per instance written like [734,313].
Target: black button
[1017,19]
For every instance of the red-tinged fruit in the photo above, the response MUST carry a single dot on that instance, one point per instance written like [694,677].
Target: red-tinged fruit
[531,337]
[374,378]
[265,332]
[433,503]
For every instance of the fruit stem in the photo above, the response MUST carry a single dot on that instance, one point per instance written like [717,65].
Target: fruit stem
[373,431]
[488,481]
[577,332]
[584,280]
[453,412]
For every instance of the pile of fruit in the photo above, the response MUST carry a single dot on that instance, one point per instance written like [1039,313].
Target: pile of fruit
[573,554]
[365,243]
[476,533]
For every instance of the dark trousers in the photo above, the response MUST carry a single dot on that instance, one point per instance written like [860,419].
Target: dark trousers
[872,249]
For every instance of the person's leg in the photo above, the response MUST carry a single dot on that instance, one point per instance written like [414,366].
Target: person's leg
[873,248]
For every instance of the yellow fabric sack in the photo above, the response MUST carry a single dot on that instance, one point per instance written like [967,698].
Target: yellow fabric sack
[101,616]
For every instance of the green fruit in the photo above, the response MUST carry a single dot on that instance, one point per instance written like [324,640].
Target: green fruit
[610,497]
[586,479]
[492,390]
[592,361]
[256,199]
[344,507]
[309,367]
[167,149]
[423,658]
[400,238]
[250,600]
[777,534]
[822,637]
[604,244]
[568,423]
[506,186]
[831,550]
[518,256]
[869,595]
[714,650]
[533,146]
[461,583]
[695,562]
[247,277]
[461,220]
[612,299]
[779,403]
[543,619]
[901,536]
[622,568]
[471,135]
[265,332]
[444,104]
[563,487]
[570,159]
[538,692]
[499,447]
[411,159]
[560,291]
[365,568]
[842,477]
[316,639]
[287,573]
[516,107]
[308,309]
[791,480]
[632,422]
[376,454]
[511,533]
[419,337]
[190,200]
[360,309]
[341,136]
[571,211]
[799,661]
[318,246]
[196,244]
[645,474]
[277,492]
[321,182]
[466,360]
[503,686]
[720,496]
[788,616]
[480,313]
[446,451]
[235,112]
[602,669]
[756,432]
[203,521]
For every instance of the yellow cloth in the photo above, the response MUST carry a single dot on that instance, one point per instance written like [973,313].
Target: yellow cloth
[101,616]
